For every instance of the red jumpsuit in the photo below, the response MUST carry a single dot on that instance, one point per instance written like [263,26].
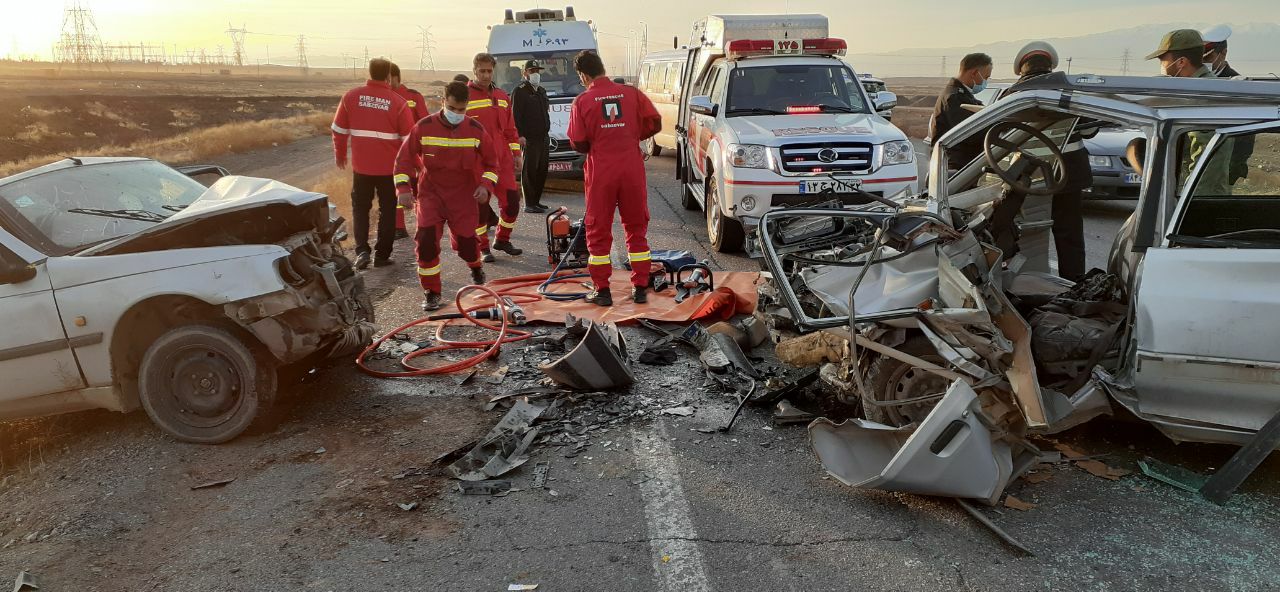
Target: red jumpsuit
[492,108]
[607,123]
[418,106]
[450,163]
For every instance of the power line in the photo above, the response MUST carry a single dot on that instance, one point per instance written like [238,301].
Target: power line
[80,42]
[237,42]
[1124,62]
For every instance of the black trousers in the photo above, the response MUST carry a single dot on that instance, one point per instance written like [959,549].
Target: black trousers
[363,190]
[1068,229]
[534,174]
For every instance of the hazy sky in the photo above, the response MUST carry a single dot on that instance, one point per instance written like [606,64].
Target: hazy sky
[390,27]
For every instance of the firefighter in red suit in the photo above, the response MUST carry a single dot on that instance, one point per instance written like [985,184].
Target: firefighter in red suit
[491,106]
[456,166]
[607,123]
[373,119]
[418,105]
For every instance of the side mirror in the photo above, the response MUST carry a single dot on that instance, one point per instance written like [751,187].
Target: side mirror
[702,105]
[885,100]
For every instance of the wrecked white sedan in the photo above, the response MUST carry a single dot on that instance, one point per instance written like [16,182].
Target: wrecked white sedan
[953,352]
[126,283]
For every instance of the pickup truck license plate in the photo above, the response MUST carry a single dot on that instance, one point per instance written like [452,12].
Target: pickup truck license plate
[1132,179]
[560,167]
[841,186]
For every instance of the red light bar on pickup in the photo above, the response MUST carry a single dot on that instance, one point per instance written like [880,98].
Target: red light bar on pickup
[804,109]
[742,48]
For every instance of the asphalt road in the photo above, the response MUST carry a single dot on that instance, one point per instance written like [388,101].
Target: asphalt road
[651,504]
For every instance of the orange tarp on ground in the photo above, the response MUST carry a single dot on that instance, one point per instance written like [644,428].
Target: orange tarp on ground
[735,293]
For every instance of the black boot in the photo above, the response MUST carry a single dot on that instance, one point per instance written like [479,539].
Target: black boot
[640,295]
[431,301]
[600,297]
[477,276]
[362,261]
[383,262]
[507,247]
[488,256]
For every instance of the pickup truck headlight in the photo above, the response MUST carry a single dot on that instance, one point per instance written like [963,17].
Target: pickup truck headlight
[899,152]
[749,156]
[1100,161]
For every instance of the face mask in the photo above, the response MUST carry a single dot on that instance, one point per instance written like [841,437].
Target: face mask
[1173,66]
[453,118]
[979,87]
[535,78]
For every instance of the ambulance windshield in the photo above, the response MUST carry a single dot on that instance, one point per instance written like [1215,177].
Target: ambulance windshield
[768,89]
[558,75]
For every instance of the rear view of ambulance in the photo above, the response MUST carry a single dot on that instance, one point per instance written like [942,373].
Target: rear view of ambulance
[770,117]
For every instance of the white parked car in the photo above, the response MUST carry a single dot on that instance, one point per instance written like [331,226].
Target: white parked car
[125,283]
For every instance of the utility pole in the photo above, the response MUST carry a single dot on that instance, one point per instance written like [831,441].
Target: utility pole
[80,42]
[1124,62]
[426,45]
[237,43]
[943,72]
[302,55]
[1069,65]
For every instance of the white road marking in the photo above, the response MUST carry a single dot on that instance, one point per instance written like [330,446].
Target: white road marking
[677,561]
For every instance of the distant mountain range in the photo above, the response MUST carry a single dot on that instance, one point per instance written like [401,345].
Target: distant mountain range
[1253,51]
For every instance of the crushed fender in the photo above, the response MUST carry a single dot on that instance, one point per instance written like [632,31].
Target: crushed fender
[598,362]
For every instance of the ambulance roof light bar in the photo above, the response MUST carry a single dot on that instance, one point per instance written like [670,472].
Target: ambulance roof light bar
[743,48]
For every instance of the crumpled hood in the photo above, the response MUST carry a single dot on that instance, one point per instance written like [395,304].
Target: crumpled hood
[234,193]
[776,130]
[230,197]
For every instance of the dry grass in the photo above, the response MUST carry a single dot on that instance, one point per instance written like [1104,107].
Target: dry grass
[202,144]
[913,121]
[337,185]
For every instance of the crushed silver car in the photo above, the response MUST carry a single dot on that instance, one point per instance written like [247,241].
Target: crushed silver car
[124,283]
[954,353]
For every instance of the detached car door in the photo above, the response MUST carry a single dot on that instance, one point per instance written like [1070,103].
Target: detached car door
[35,355]
[1208,303]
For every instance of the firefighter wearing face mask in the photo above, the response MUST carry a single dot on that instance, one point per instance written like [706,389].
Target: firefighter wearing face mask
[491,106]
[456,166]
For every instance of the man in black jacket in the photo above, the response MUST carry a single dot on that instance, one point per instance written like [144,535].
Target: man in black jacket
[975,70]
[531,110]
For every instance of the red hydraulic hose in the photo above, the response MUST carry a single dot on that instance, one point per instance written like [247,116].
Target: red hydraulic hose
[506,334]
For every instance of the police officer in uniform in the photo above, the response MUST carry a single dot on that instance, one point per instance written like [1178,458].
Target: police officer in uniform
[1035,60]
[531,109]
[1215,51]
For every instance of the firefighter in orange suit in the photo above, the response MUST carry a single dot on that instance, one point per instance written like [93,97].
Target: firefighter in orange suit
[456,166]
[491,106]
[418,105]
[607,123]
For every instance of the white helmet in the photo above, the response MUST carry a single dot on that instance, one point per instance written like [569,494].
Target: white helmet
[1216,34]
[1035,48]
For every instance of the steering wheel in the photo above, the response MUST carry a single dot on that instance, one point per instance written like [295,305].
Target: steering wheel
[1051,168]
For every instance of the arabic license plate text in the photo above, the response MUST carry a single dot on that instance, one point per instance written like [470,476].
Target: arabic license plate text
[1132,179]
[840,186]
[560,167]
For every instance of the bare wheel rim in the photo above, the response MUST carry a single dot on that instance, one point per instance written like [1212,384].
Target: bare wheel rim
[203,387]
[909,382]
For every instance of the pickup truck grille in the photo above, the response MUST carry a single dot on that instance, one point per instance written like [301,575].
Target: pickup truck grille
[827,157]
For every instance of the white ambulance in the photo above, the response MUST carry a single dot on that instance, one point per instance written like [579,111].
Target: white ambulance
[553,37]
[772,118]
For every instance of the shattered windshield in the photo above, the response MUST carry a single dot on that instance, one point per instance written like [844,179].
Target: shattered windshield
[763,90]
[558,75]
[81,206]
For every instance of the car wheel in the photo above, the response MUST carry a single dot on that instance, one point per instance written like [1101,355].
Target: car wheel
[651,147]
[724,233]
[203,384]
[893,381]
